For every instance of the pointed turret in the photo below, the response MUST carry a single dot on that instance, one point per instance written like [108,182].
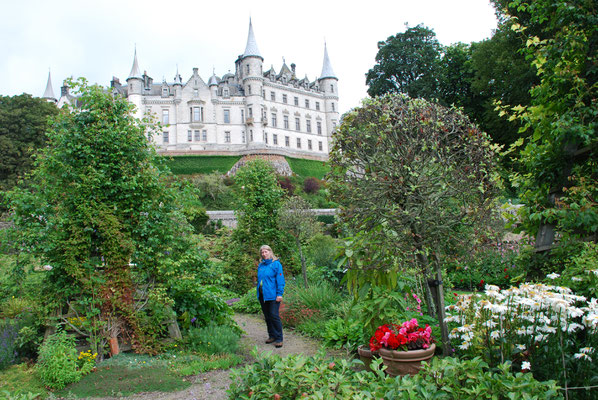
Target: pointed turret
[135,69]
[251,48]
[178,80]
[327,71]
[49,92]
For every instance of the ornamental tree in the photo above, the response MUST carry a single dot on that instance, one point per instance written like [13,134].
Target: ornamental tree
[99,211]
[416,177]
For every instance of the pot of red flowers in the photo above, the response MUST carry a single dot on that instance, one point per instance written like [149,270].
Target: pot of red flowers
[403,347]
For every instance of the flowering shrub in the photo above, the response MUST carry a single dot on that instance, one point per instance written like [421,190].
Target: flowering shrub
[407,336]
[545,329]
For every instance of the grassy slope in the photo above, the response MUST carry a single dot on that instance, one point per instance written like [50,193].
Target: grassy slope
[188,165]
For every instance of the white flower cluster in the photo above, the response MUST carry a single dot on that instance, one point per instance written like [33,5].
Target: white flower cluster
[520,317]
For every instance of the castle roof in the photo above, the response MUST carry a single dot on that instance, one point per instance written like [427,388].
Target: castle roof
[49,92]
[135,69]
[251,47]
[213,80]
[327,71]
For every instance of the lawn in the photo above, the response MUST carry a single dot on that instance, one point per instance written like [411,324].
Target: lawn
[189,165]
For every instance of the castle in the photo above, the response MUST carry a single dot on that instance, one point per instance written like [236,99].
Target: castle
[249,112]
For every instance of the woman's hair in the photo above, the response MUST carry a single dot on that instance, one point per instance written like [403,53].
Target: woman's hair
[266,247]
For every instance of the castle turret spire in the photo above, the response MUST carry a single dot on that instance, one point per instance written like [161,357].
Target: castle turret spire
[49,92]
[135,69]
[327,71]
[251,48]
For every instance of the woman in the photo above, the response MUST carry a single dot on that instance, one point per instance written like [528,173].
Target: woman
[270,287]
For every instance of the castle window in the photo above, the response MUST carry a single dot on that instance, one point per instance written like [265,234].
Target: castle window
[189,135]
[196,135]
[275,139]
[272,96]
[247,69]
[306,103]
[317,106]
[285,119]
[195,92]
[243,137]
[297,124]
[320,146]
[227,116]
[298,143]
[308,126]
[284,98]
[287,141]
[227,137]
[242,117]
[309,144]
[204,135]
[263,93]
[225,92]
[319,127]
[265,138]
[333,107]
[197,114]
[165,117]
[165,137]
[274,120]
[165,92]
[296,101]
[251,135]
[250,110]
[331,88]
[249,89]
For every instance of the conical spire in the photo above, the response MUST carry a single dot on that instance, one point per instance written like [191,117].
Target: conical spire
[178,80]
[49,92]
[135,69]
[251,48]
[327,71]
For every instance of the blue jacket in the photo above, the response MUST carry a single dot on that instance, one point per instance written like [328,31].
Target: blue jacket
[271,278]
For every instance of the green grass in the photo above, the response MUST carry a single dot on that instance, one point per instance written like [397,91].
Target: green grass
[120,380]
[307,168]
[20,379]
[188,165]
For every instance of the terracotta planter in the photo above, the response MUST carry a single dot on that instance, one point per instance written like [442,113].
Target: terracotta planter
[405,362]
[366,356]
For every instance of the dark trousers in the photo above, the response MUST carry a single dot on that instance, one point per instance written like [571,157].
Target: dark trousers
[270,310]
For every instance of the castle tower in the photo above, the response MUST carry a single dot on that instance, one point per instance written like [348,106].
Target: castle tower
[329,84]
[178,86]
[49,92]
[249,72]
[134,86]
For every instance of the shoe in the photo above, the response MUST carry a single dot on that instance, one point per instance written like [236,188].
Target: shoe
[270,340]
[278,345]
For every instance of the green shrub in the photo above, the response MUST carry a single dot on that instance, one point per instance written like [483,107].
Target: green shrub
[340,333]
[58,363]
[213,339]
[248,303]
[318,377]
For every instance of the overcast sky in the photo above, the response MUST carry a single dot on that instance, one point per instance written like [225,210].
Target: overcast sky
[96,39]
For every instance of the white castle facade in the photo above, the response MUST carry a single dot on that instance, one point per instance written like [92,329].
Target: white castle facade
[249,112]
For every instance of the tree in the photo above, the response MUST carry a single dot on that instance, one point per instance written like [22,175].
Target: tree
[297,218]
[406,63]
[417,179]
[23,126]
[98,209]
[558,163]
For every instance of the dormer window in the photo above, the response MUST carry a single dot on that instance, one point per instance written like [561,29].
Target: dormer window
[195,92]
[225,92]
[164,92]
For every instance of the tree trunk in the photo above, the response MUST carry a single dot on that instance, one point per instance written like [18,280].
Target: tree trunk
[303,266]
[441,312]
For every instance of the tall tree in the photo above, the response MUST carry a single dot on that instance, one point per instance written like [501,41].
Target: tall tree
[407,63]
[23,126]
[99,211]
[415,176]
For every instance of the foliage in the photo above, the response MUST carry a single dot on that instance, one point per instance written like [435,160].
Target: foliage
[190,165]
[558,168]
[340,333]
[406,336]
[308,168]
[214,194]
[298,376]
[287,184]
[248,303]
[194,364]
[581,271]
[407,63]
[296,218]
[23,126]
[542,328]
[57,364]
[311,185]
[213,339]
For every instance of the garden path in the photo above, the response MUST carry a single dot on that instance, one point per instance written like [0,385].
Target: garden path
[212,385]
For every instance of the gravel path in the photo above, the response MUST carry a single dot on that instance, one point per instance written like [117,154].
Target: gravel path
[212,385]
